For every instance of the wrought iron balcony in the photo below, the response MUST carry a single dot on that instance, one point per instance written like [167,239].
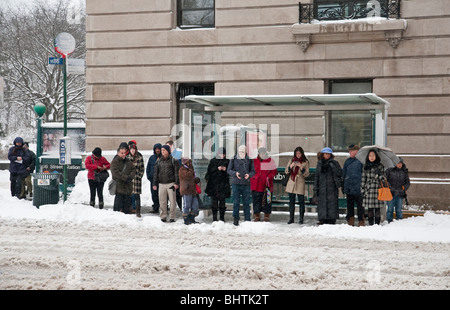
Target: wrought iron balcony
[348,9]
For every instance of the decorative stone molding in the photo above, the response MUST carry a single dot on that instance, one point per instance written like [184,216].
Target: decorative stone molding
[349,31]
[303,41]
[394,37]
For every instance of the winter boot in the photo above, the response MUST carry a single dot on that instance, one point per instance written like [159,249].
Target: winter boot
[138,211]
[302,214]
[266,217]
[214,213]
[236,221]
[92,203]
[222,214]
[101,204]
[361,223]
[192,218]
[351,221]
[291,214]
[257,217]
[187,219]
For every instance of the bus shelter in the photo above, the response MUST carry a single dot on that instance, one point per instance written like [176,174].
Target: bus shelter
[204,131]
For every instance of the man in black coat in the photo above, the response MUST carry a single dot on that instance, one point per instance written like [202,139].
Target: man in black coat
[18,158]
[150,172]
[27,186]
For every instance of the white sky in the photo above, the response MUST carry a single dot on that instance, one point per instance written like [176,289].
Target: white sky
[6,3]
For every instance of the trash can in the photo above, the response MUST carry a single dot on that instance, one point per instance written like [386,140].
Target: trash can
[45,188]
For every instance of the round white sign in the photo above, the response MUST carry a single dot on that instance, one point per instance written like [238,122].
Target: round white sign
[64,43]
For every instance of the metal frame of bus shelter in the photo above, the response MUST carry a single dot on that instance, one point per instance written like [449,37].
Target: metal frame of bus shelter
[316,102]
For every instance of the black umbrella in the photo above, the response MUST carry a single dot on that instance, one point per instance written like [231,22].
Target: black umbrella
[387,156]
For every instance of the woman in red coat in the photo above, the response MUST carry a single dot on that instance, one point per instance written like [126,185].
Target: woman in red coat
[265,171]
[96,163]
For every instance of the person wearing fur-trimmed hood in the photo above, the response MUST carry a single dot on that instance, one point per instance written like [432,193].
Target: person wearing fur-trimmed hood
[327,181]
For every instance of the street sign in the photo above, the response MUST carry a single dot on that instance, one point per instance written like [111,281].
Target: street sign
[55,61]
[65,151]
[64,44]
[75,66]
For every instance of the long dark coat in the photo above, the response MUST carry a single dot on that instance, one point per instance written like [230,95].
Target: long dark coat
[327,181]
[218,182]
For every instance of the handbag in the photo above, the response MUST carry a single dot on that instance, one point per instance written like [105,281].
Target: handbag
[112,187]
[384,193]
[198,188]
[285,181]
[267,197]
[100,176]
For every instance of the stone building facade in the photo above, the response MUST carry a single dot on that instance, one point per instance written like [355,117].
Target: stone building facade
[140,54]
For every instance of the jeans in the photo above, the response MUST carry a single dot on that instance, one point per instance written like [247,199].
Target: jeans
[396,203]
[190,205]
[244,191]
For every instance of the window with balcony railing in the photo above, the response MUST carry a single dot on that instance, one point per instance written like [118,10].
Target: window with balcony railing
[348,9]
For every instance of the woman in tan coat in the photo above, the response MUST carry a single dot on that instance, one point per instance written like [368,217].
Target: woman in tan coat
[298,169]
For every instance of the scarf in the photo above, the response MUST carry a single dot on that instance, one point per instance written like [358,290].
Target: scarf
[296,169]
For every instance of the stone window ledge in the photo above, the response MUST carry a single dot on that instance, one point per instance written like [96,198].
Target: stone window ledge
[349,31]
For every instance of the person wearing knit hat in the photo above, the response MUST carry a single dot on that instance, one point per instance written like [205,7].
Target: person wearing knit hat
[150,171]
[351,187]
[327,181]
[166,147]
[166,181]
[95,164]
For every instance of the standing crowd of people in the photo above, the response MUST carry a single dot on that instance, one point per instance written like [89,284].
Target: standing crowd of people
[174,180]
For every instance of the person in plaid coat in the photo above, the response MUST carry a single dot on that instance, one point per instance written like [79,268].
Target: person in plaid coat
[138,161]
[372,176]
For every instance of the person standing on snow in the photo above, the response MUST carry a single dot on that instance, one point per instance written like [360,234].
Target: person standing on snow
[18,159]
[188,190]
[352,174]
[218,183]
[399,183]
[176,154]
[241,170]
[372,177]
[27,185]
[166,180]
[298,169]
[123,172]
[327,181]
[96,163]
[150,171]
[265,171]
[138,161]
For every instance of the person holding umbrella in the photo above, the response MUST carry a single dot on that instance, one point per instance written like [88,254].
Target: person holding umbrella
[372,178]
